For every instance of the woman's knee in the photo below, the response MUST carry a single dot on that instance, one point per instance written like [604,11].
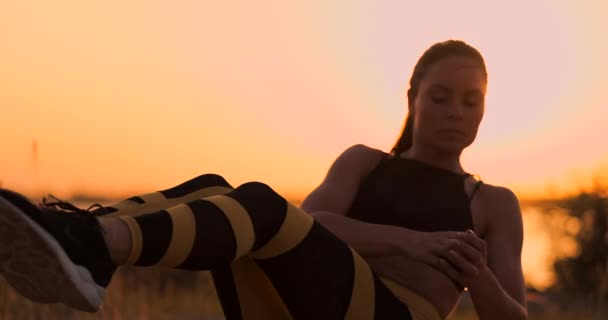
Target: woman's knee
[210,179]
[266,208]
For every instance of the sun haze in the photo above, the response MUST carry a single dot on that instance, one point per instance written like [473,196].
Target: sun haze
[118,98]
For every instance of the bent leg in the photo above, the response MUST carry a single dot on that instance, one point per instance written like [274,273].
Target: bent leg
[316,275]
[205,185]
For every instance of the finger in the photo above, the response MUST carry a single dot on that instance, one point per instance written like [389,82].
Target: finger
[449,270]
[448,234]
[433,261]
[472,239]
[461,264]
[470,253]
[446,244]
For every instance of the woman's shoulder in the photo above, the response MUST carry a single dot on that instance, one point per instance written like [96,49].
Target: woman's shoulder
[354,163]
[496,194]
[365,150]
[364,155]
[499,204]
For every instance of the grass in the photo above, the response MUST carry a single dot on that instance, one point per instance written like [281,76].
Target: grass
[155,293]
[549,315]
[145,293]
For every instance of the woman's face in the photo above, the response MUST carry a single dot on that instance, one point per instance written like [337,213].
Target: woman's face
[450,104]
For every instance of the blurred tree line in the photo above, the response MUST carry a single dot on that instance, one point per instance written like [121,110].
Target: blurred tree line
[581,277]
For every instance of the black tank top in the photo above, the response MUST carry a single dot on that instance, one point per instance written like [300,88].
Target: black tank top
[413,194]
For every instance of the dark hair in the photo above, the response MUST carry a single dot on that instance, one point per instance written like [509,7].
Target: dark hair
[433,54]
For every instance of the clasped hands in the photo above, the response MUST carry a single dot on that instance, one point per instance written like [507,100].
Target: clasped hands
[462,256]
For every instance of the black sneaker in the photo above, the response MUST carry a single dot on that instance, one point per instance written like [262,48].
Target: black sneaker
[53,253]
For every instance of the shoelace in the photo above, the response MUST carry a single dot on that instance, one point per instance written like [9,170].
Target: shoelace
[67,206]
[62,205]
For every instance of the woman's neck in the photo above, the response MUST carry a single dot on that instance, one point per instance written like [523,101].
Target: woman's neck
[439,158]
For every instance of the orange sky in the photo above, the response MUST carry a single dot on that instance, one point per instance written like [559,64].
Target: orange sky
[128,97]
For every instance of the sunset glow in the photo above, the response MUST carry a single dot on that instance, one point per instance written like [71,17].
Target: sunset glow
[117,98]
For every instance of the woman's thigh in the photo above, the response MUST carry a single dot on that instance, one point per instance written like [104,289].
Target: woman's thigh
[323,278]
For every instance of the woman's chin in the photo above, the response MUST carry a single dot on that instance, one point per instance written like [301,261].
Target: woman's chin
[455,147]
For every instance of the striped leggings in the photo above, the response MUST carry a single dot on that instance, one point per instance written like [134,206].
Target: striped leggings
[251,236]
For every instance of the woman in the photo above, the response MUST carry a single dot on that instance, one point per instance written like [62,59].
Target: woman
[385,236]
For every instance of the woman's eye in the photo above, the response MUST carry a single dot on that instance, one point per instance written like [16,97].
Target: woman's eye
[472,100]
[438,99]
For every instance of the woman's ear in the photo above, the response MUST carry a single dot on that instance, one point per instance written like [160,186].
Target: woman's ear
[410,108]
[410,101]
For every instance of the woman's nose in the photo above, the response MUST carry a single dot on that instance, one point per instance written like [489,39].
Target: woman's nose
[455,111]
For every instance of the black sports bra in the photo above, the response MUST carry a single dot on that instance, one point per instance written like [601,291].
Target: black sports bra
[413,194]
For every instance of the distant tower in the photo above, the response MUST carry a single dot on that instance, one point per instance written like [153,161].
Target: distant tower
[35,159]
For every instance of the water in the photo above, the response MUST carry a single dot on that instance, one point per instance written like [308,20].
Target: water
[544,242]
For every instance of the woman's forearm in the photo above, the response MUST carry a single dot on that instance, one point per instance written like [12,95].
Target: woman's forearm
[491,301]
[368,239]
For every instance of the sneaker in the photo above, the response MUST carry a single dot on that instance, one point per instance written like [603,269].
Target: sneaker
[54,252]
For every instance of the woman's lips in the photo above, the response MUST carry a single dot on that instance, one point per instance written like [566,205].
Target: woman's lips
[452,131]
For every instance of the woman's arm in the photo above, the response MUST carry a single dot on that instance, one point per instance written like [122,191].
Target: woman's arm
[492,272]
[368,239]
[331,200]
[499,292]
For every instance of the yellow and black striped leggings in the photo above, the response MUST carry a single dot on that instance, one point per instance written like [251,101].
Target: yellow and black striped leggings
[205,224]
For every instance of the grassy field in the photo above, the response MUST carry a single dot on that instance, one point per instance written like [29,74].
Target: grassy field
[153,293]
[149,293]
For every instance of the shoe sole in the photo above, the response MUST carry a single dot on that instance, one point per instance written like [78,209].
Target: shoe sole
[36,265]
